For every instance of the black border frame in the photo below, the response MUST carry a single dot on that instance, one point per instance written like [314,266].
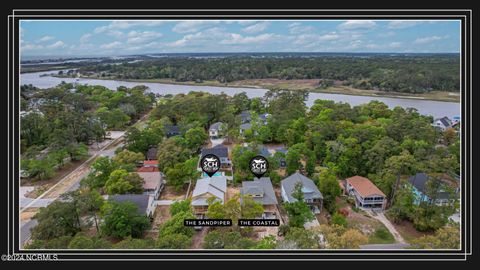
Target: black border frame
[11,187]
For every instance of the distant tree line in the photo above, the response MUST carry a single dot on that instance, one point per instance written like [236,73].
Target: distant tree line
[410,74]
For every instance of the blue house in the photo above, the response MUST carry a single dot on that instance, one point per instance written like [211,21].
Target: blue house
[418,183]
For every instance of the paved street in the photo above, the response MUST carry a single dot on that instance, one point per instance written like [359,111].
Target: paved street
[385,246]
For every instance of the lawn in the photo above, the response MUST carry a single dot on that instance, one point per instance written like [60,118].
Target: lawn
[381,236]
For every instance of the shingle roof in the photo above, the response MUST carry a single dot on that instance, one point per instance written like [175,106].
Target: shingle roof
[171,130]
[150,162]
[215,126]
[310,190]
[215,185]
[219,151]
[245,126]
[151,180]
[445,121]
[141,200]
[152,153]
[418,181]
[262,187]
[364,186]
[148,169]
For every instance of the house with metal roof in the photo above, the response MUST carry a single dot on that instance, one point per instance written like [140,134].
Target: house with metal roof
[419,181]
[442,123]
[221,151]
[209,187]
[311,195]
[366,194]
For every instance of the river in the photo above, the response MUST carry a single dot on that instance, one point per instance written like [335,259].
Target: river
[427,107]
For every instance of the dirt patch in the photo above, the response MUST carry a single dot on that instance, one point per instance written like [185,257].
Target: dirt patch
[169,193]
[162,214]
[232,191]
[197,239]
[362,222]
[28,214]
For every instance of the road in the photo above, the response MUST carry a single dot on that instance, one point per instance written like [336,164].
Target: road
[69,183]
[385,246]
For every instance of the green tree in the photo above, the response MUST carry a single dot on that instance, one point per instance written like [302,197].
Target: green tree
[81,241]
[298,211]
[174,241]
[293,161]
[56,220]
[122,182]
[444,238]
[299,238]
[195,138]
[180,206]
[128,159]
[330,189]
[135,243]
[122,219]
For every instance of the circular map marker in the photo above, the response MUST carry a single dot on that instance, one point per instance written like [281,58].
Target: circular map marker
[210,164]
[259,166]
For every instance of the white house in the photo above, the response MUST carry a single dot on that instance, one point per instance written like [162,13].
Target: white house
[215,130]
[442,123]
[366,194]
[206,188]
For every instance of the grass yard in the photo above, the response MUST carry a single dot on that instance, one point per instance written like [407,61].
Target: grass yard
[381,236]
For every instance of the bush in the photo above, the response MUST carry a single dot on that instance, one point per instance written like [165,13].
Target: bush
[339,219]
[174,241]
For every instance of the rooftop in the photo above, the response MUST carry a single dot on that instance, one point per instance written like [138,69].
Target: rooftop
[261,190]
[309,188]
[364,186]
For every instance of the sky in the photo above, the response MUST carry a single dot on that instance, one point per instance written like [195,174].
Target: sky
[126,37]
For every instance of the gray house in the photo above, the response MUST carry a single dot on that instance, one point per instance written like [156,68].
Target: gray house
[221,152]
[311,195]
[261,191]
[144,202]
[215,130]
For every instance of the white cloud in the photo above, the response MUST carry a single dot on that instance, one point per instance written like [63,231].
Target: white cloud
[311,40]
[298,28]
[239,39]
[85,38]
[357,25]
[403,24]
[430,39]
[122,25]
[45,39]
[387,34]
[255,28]
[31,47]
[56,45]
[395,44]
[192,26]
[111,45]
[135,37]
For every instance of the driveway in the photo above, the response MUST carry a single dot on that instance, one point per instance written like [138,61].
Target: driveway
[381,217]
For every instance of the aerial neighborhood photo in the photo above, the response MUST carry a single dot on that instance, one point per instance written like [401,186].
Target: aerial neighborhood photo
[240,135]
